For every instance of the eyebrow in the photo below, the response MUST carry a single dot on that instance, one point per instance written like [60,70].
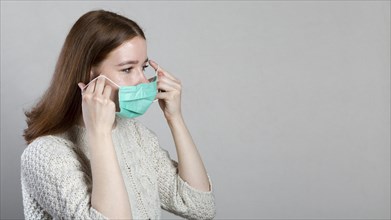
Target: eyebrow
[131,62]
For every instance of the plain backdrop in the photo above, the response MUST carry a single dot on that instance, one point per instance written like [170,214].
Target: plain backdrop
[288,101]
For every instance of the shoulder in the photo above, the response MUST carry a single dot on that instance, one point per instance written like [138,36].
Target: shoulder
[48,145]
[46,151]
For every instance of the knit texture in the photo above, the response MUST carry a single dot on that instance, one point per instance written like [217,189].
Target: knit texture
[57,181]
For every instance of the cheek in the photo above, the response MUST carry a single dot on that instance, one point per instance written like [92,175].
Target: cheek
[126,80]
[114,96]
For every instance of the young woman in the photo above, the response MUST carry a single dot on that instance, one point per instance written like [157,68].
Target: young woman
[88,158]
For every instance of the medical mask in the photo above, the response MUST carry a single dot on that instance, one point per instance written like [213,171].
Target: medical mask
[134,100]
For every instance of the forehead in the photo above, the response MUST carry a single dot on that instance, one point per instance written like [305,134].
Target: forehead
[134,49]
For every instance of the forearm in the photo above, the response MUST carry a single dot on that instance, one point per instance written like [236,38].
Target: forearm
[190,165]
[109,195]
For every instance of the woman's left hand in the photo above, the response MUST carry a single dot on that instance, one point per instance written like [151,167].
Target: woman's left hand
[169,95]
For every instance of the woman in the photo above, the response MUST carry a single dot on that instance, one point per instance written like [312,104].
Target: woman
[87,157]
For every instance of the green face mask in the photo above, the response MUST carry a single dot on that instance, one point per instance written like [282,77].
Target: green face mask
[135,100]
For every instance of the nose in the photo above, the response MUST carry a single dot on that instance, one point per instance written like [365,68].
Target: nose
[141,78]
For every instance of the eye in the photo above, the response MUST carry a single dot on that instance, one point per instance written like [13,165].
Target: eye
[144,67]
[127,70]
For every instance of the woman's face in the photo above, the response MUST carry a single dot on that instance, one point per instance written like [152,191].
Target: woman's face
[124,65]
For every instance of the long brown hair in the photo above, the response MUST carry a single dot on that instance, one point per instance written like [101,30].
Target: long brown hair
[90,40]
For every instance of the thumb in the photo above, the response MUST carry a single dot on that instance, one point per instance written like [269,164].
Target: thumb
[154,65]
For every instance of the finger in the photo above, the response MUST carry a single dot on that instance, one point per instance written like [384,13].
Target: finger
[107,91]
[169,75]
[90,87]
[162,95]
[159,69]
[154,65]
[167,88]
[100,85]
[164,82]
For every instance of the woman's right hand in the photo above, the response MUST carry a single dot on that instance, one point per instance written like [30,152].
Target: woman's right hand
[98,109]
[108,186]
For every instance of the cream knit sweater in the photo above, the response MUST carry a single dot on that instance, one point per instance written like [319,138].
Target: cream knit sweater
[57,181]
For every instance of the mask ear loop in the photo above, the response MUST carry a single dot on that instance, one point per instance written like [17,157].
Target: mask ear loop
[97,78]
[156,79]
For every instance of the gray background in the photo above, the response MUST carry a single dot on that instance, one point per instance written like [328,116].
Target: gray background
[288,101]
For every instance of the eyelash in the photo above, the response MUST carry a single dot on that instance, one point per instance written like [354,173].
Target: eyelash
[127,70]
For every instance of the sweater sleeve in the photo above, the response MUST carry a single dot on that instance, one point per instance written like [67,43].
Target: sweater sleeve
[175,194]
[56,180]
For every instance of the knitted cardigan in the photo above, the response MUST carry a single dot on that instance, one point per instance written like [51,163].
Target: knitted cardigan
[57,181]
